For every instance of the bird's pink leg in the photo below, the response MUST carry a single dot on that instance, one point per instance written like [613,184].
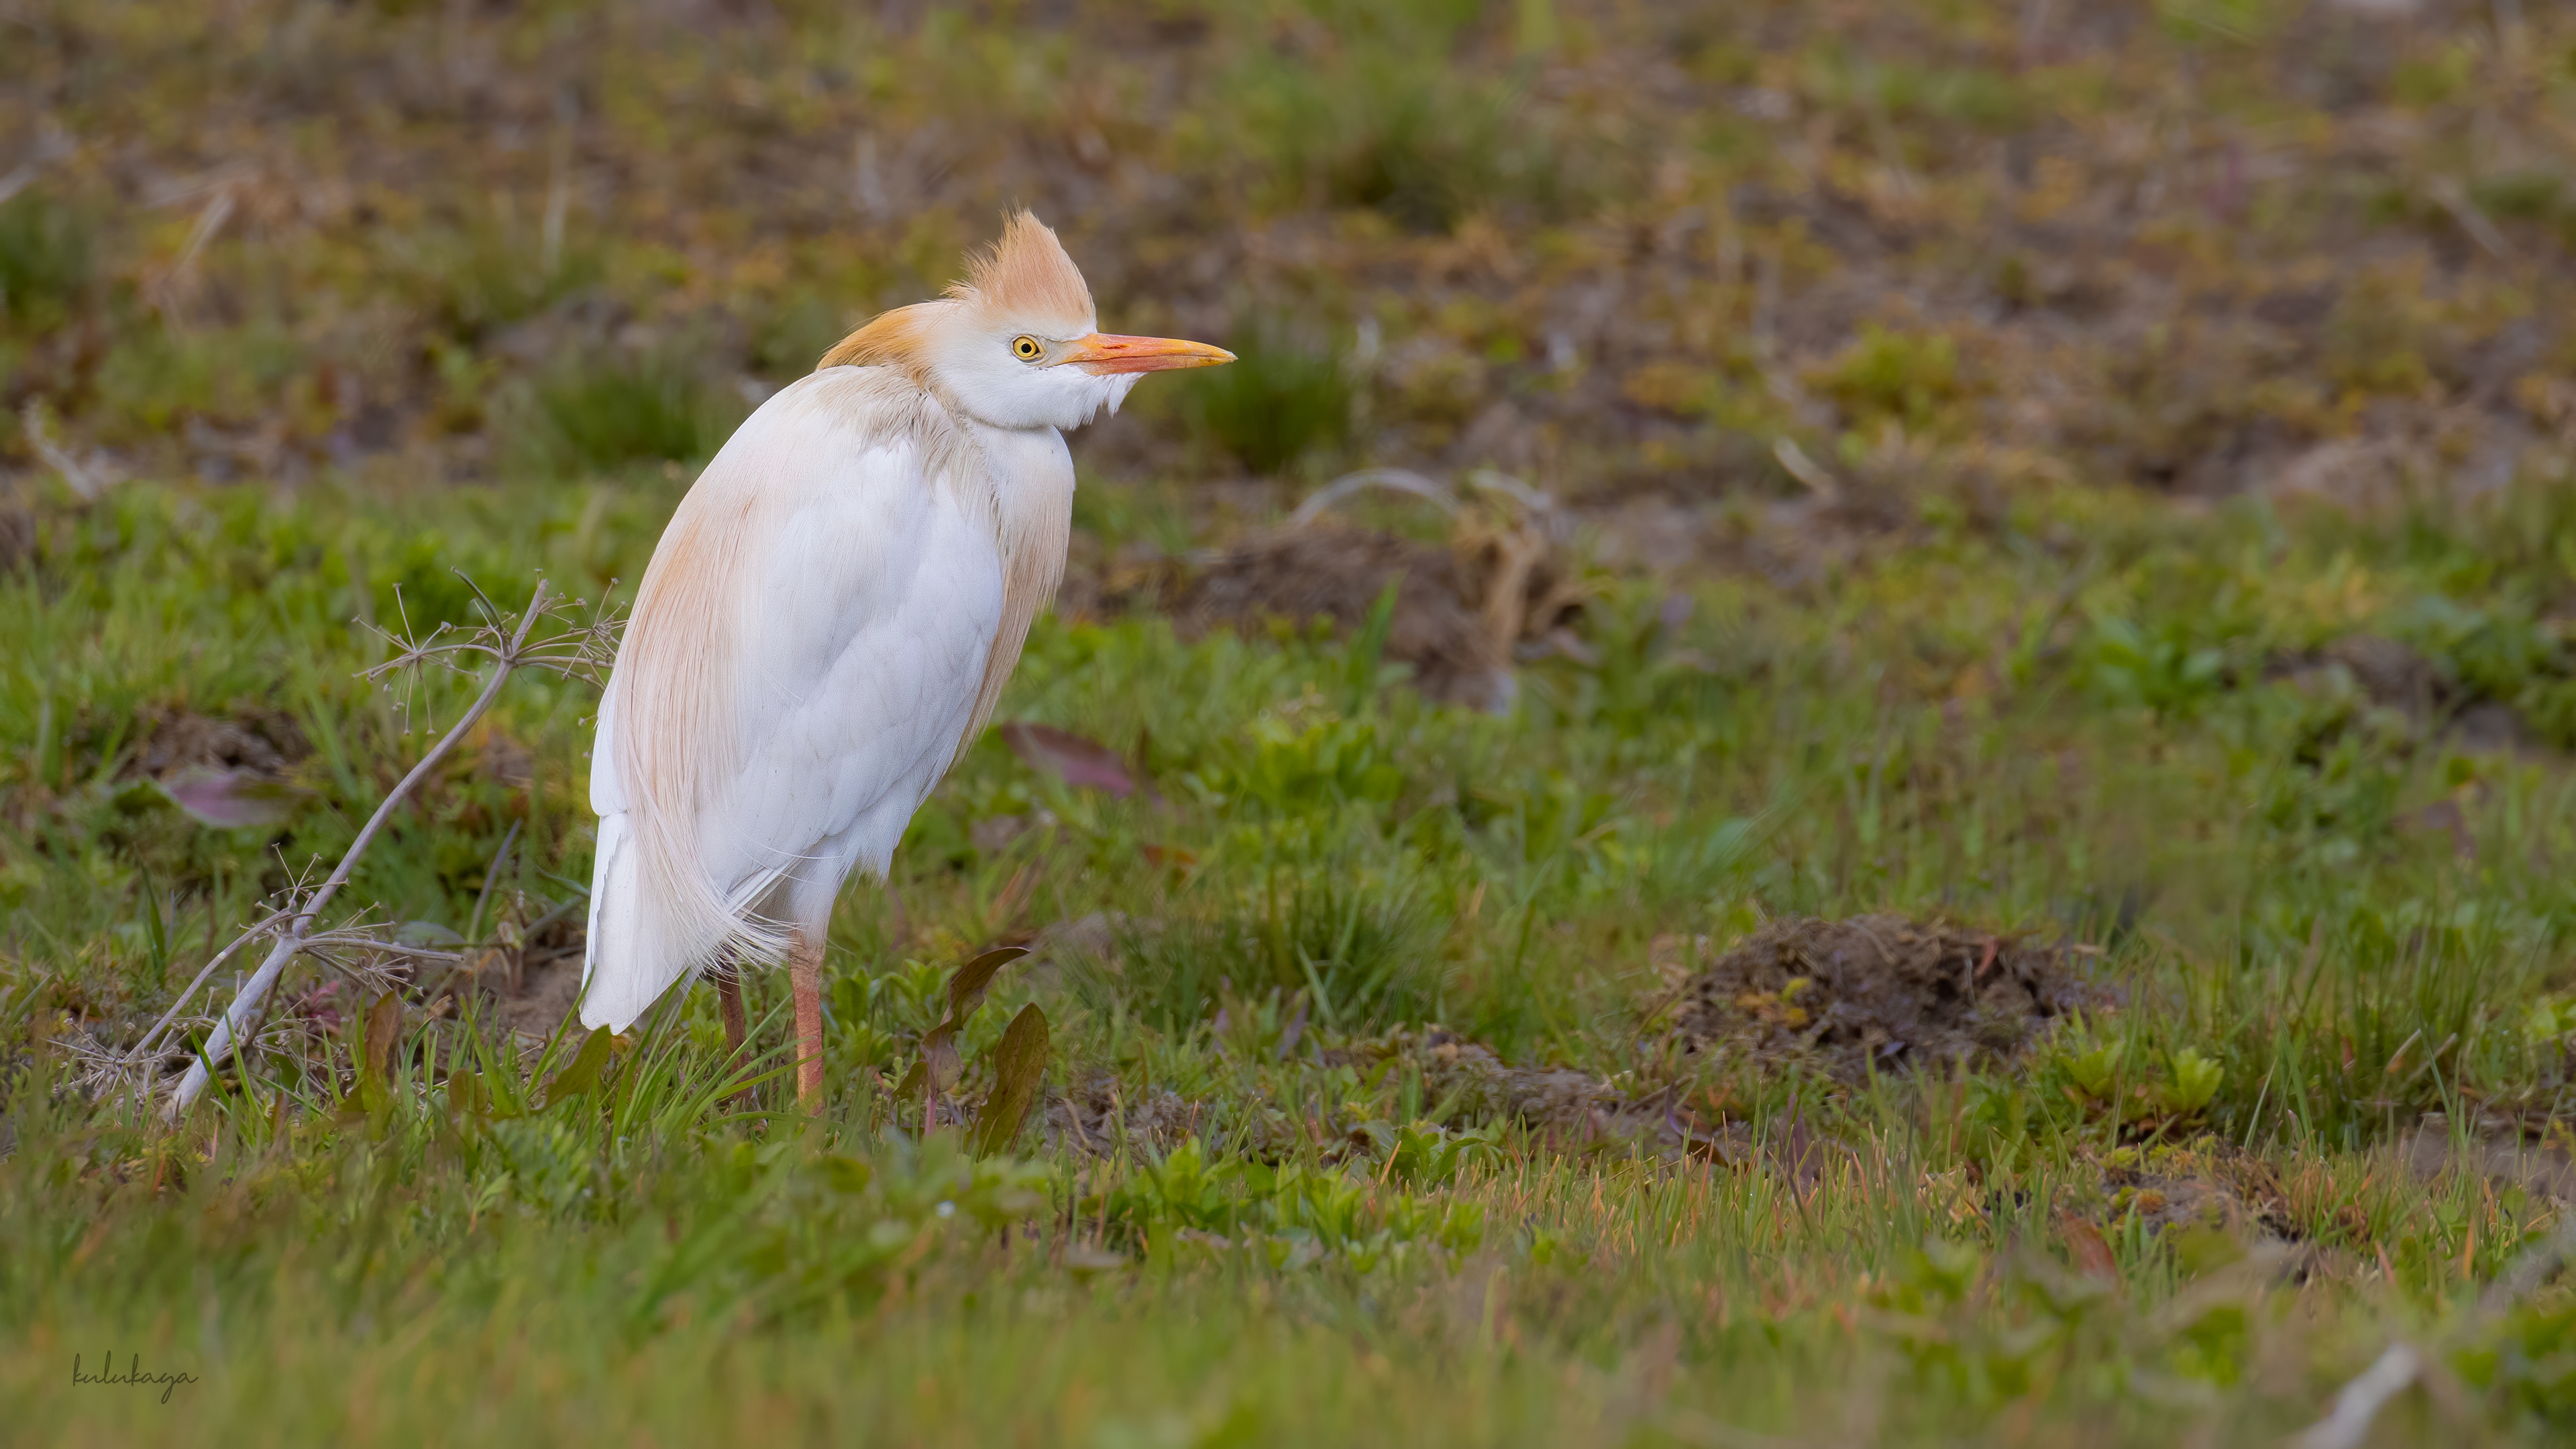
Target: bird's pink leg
[805,977]
[729,1005]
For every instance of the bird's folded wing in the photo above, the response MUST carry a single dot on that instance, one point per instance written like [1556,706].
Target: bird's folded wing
[864,636]
[804,654]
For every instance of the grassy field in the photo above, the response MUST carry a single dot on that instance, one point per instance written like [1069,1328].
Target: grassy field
[2083,503]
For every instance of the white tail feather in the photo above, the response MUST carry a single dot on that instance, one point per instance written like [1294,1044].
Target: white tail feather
[655,917]
[632,957]
[614,987]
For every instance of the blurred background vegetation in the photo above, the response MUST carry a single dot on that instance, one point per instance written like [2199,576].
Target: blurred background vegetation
[2200,247]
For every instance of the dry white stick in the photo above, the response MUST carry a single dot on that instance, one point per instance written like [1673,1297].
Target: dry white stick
[1400,480]
[246,1002]
[2452,197]
[2358,1403]
[55,145]
[1807,470]
[267,923]
[83,480]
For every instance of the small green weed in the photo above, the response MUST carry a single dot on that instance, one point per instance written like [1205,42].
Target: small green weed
[1909,378]
[592,414]
[1397,129]
[1283,398]
[48,259]
[493,269]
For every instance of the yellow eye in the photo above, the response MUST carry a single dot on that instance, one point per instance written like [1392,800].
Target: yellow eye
[1026,349]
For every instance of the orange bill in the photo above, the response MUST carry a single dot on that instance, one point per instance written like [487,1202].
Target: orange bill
[1106,352]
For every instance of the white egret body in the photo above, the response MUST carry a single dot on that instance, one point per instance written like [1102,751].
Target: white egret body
[829,618]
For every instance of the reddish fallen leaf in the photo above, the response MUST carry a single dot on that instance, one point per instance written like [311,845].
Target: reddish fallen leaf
[2084,1244]
[1084,764]
[227,799]
[1171,855]
[320,1005]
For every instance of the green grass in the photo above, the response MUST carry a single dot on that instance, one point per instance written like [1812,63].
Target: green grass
[598,415]
[45,262]
[348,1257]
[1283,399]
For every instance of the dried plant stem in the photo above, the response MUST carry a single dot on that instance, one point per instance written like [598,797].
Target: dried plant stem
[267,923]
[246,1002]
[2347,1423]
[2358,1403]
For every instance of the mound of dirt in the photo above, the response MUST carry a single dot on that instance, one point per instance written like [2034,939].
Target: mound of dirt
[1881,991]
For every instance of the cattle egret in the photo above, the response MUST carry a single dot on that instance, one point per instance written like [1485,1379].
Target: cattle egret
[827,622]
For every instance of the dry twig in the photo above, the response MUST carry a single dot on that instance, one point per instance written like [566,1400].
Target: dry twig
[578,648]
[2357,1404]
[87,478]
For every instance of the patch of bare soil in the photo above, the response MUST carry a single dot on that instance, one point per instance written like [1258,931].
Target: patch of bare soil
[1463,611]
[258,742]
[1338,573]
[1464,1084]
[1467,1083]
[532,976]
[1098,1115]
[1464,1081]
[1879,991]
[2245,1201]
[2211,1185]
[2496,1151]
[2395,677]
[17,534]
